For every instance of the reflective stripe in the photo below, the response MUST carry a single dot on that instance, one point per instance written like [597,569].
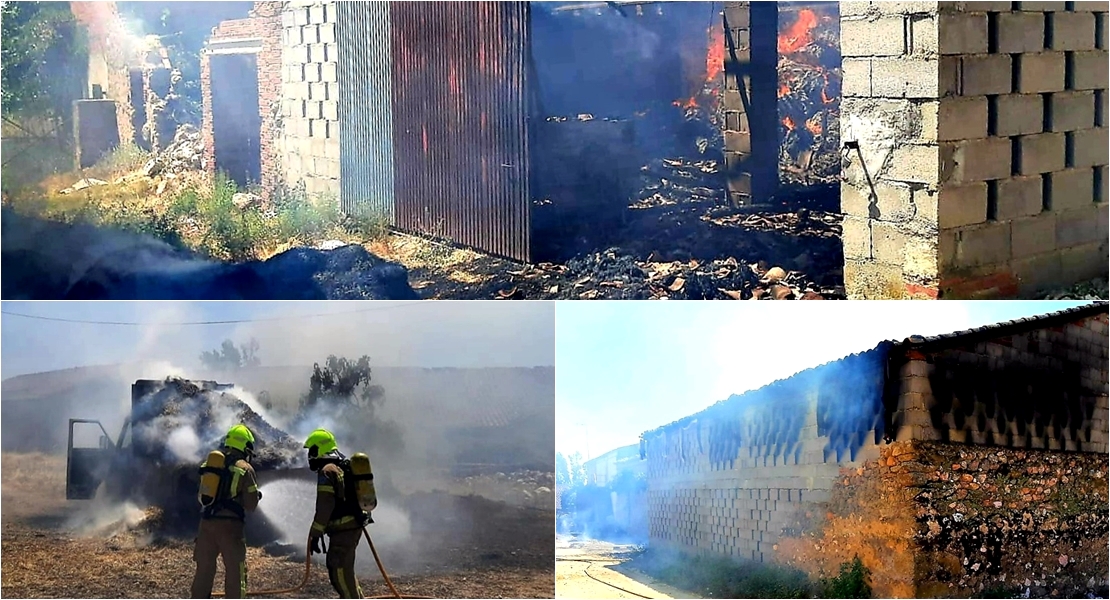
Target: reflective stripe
[243,579]
[342,583]
[253,488]
[236,473]
[325,488]
[318,527]
[343,520]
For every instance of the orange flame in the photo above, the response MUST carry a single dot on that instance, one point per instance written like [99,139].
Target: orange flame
[714,66]
[814,125]
[798,37]
[789,122]
[784,90]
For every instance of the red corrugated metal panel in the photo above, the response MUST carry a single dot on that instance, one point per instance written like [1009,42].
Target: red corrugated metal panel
[460,123]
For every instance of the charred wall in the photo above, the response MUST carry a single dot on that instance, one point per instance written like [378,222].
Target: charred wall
[1040,389]
[751,477]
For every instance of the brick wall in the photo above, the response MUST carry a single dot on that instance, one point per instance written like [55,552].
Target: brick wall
[982,147]
[266,25]
[310,96]
[749,472]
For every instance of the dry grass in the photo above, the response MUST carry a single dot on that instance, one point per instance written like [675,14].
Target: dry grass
[44,557]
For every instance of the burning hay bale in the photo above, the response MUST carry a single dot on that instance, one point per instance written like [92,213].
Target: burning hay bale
[809,89]
[182,420]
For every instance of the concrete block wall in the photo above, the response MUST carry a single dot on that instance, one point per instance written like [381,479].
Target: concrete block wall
[740,508]
[1033,79]
[738,477]
[750,101]
[980,393]
[982,132]
[310,96]
[890,110]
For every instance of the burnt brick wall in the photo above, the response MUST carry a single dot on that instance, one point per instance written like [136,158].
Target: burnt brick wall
[265,24]
[1043,389]
[937,519]
[310,96]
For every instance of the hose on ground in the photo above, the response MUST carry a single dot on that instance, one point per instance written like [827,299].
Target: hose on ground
[385,575]
[308,569]
[590,563]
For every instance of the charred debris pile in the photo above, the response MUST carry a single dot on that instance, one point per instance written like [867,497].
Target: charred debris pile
[181,420]
[630,193]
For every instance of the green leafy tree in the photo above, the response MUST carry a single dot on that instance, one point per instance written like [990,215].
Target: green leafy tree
[44,55]
[229,357]
[342,382]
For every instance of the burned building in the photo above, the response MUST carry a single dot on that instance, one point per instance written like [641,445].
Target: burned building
[947,464]
[965,141]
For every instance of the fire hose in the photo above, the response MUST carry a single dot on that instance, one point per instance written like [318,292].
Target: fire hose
[308,569]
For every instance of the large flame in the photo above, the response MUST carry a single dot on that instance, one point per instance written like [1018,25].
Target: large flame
[798,36]
[714,66]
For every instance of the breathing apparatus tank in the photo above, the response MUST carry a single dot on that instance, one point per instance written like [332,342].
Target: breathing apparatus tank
[364,481]
[210,478]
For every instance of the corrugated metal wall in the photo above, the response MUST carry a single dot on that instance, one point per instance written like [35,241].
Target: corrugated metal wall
[365,109]
[460,122]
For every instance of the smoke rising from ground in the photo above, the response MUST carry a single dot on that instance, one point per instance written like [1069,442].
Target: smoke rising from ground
[461,385]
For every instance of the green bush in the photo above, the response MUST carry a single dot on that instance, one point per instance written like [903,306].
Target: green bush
[854,581]
[719,577]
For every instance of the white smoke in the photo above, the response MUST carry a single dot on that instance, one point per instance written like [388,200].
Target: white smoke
[252,402]
[185,444]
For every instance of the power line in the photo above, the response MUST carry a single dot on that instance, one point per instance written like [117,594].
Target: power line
[221,322]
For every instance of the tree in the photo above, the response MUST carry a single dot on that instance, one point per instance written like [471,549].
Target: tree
[231,358]
[344,383]
[45,57]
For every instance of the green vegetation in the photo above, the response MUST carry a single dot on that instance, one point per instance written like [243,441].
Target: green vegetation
[229,357]
[721,577]
[853,581]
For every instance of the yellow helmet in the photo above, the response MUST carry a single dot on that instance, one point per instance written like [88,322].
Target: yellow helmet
[322,440]
[240,438]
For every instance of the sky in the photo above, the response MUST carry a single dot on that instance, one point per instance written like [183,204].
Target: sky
[628,367]
[403,334]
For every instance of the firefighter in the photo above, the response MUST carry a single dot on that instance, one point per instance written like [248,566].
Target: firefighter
[344,488]
[228,490]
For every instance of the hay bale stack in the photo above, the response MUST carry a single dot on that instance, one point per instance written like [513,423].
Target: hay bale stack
[183,420]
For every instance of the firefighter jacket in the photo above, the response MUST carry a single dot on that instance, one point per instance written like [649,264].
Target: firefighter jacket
[238,493]
[337,507]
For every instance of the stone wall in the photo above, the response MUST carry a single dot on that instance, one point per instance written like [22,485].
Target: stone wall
[936,519]
[977,147]
[748,473]
[310,96]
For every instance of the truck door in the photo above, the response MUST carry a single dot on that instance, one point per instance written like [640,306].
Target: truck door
[86,464]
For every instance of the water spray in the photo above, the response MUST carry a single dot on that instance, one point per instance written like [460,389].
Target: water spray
[308,570]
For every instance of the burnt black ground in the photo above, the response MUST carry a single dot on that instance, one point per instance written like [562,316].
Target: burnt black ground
[48,260]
